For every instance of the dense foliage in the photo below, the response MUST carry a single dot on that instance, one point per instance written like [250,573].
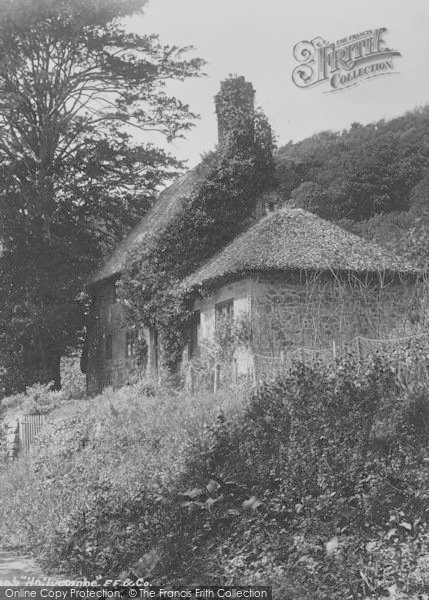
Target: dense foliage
[404,232]
[372,178]
[74,86]
[360,172]
[317,485]
[220,207]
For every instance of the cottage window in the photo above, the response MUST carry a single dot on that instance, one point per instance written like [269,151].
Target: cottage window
[108,347]
[130,345]
[193,348]
[224,310]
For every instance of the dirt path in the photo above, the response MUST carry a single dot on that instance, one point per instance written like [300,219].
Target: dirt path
[18,570]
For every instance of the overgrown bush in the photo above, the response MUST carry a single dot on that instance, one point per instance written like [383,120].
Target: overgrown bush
[37,399]
[93,495]
[315,485]
[42,398]
[322,482]
[73,381]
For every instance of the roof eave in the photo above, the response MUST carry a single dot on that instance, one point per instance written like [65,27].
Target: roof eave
[225,278]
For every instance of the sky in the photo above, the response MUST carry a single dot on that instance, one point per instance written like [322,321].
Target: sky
[256,39]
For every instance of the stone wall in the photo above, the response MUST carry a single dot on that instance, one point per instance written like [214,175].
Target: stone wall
[286,311]
[17,434]
[313,311]
[9,439]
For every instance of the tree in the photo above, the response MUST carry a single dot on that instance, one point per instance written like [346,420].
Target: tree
[366,170]
[312,197]
[74,86]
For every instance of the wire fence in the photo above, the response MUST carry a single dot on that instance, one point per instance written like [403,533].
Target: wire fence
[215,375]
[360,347]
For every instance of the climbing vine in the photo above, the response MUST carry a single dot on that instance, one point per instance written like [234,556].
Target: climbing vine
[219,208]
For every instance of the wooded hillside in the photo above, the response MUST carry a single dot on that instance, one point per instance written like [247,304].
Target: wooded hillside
[372,178]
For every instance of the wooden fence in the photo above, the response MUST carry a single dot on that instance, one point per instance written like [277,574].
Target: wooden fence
[29,427]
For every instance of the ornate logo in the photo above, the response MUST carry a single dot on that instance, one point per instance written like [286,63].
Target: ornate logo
[344,63]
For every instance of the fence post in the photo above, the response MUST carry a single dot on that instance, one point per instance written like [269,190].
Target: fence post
[191,379]
[359,349]
[334,350]
[216,377]
[253,367]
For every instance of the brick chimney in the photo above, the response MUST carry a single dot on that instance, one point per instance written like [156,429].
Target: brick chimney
[235,109]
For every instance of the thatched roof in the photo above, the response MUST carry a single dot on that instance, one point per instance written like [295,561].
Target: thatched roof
[166,207]
[294,239]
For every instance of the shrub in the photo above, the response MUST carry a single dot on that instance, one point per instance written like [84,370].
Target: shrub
[37,399]
[41,398]
[321,481]
[316,485]
[92,496]
[73,381]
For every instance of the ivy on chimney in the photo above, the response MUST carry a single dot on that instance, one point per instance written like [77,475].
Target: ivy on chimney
[235,109]
[221,207]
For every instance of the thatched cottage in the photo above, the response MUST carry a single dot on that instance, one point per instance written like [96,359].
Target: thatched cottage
[298,281]
[290,280]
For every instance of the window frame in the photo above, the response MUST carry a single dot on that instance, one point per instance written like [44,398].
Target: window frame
[219,314]
[193,345]
[131,338]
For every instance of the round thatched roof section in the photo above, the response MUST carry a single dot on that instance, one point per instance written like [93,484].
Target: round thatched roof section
[294,239]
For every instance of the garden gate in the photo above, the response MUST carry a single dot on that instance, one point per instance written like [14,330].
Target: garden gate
[29,427]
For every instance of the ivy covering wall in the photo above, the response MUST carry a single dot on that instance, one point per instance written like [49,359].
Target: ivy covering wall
[218,209]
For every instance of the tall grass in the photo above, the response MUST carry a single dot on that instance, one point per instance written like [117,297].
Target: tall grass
[118,444]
